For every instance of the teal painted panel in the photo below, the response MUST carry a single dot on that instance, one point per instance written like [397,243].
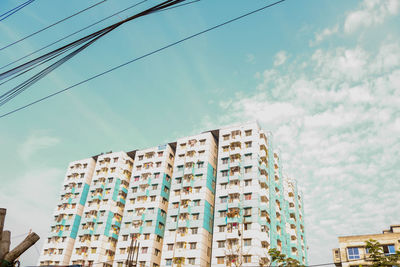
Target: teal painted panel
[208,219]
[75,226]
[84,195]
[116,189]
[108,224]
[210,178]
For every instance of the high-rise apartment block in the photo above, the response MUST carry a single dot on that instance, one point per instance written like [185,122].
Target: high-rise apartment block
[58,248]
[213,199]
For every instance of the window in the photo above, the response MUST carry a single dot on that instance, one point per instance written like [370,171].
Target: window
[247,258]
[141,157]
[247,242]
[93,251]
[180,168]
[221,244]
[196,202]
[144,250]
[247,169]
[170,246]
[223,199]
[248,132]
[222,213]
[247,183]
[125,237]
[156,252]
[191,261]
[248,144]
[223,186]
[153,198]
[122,250]
[168,262]
[195,216]
[194,231]
[220,260]
[154,186]
[224,173]
[247,196]
[148,223]
[353,253]
[247,211]
[388,249]
[247,226]
[226,137]
[192,245]
[134,189]
[221,228]
[158,164]
[146,236]
[200,164]
[225,161]
[110,180]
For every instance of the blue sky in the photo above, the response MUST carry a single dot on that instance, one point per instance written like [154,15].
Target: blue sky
[323,76]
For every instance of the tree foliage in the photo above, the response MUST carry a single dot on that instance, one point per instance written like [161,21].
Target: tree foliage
[281,259]
[377,256]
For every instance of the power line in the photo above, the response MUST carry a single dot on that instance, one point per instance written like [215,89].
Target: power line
[51,25]
[15,10]
[65,37]
[141,57]
[89,39]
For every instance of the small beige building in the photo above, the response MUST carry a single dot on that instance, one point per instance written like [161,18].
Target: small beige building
[352,251]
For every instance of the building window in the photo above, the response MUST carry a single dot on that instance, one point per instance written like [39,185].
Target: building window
[191,261]
[221,244]
[247,258]
[144,250]
[247,242]
[353,253]
[224,173]
[141,157]
[168,262]
[225,161]
[170,246]
[248,144]
[247,196]
[388,249]
[200,164]
[224,199]
[192,245]
[247,183]
[248,132]
[194,231]
[247,169]
[195,216]
[221,228]
[220,260]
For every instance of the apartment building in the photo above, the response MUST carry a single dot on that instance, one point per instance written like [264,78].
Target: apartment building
[189,228]
[145,213]
[353,253]
[213,199]
[58,247]
[251,209]
[101,222]
[295,238]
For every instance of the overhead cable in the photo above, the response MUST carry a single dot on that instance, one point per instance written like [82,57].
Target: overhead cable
[15,10]
[141,57]
[69,35]
[89,39]
[51,25]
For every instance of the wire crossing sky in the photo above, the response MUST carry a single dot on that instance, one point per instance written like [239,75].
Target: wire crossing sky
[322,76]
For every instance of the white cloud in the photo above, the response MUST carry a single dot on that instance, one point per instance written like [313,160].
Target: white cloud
[371,12]
[250,58]
[280,58]
[320,36]
[37,141]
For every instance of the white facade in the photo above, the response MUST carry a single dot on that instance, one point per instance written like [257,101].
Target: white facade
[58,247]
[147,204]
[188,235]
[101,221]
[242,198]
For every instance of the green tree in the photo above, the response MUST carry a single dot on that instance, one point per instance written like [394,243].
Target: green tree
[281,259]
[377,256]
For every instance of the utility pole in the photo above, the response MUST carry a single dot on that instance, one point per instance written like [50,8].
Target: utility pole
[9,258]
